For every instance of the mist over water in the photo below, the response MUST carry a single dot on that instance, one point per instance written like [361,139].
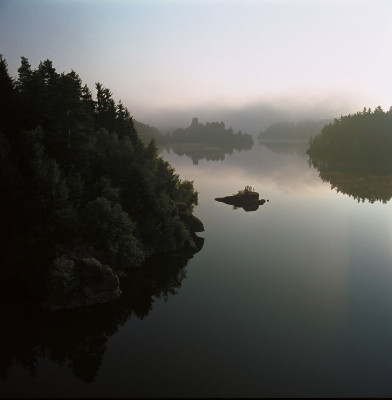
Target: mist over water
[253,117]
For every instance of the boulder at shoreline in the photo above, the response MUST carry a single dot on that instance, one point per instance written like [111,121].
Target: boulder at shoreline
[75,282]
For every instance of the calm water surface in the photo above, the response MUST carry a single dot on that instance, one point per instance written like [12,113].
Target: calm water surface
[294,299]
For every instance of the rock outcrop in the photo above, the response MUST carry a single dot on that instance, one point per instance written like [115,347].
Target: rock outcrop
[75,282]
[76,279]
[249,201]
[192,223]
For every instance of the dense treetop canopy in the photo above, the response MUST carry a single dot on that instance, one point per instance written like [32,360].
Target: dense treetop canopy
[360,143]
[74,173]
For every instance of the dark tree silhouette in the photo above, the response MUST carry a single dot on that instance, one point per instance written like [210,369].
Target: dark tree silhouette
[70,166]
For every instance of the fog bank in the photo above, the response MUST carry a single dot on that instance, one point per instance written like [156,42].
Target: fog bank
[251,118]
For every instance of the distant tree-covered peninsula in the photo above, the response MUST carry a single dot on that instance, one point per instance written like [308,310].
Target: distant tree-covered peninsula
[353,154]
[75,175]
[292,131]
[359,143]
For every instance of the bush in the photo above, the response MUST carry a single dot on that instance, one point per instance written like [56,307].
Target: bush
[110,230]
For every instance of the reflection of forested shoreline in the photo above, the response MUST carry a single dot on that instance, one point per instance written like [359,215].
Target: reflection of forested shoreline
[358,143]
[359,186]
[354,154]
[78,338]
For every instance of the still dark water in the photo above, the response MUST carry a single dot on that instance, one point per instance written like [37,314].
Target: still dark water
[294,299]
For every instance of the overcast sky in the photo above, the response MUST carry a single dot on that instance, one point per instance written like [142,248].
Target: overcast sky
[197,56]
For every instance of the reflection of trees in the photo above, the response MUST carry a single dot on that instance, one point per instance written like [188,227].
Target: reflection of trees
[286,147]
[77,338]
[206,151]
[354,154]
[359,186]
[358,143]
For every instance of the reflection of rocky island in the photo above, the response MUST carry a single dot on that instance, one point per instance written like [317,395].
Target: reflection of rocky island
[78,338]
[210,141]
[247,199]
[203,151]
[353,154]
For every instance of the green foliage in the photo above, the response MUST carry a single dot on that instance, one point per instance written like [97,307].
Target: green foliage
[74,171]
[186,193]
[148,133]
[61,273]
[211,132]
[360,143]
[109,229]
[245,191]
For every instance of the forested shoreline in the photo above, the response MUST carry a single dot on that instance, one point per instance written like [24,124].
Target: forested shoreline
[359,143]
[75,175]
[354,154]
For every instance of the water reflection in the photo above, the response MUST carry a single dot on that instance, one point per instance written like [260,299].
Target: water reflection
[210,152]
[248,208]
[78,338]
[285,171]
[361,187]
[287,147]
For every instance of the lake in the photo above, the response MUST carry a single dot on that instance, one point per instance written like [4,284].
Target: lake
[294,299]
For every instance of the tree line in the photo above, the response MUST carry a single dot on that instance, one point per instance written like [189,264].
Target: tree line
[359,143]
[75,174]
[210,132]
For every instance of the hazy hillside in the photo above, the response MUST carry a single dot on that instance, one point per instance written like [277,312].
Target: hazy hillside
[284,131]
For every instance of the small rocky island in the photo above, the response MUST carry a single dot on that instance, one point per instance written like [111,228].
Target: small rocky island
[247,199]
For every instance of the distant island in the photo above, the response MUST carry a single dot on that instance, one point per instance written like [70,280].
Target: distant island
[210,133]
[210,141]
[354,154]
[291,131]
[247,199]
[83,201]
